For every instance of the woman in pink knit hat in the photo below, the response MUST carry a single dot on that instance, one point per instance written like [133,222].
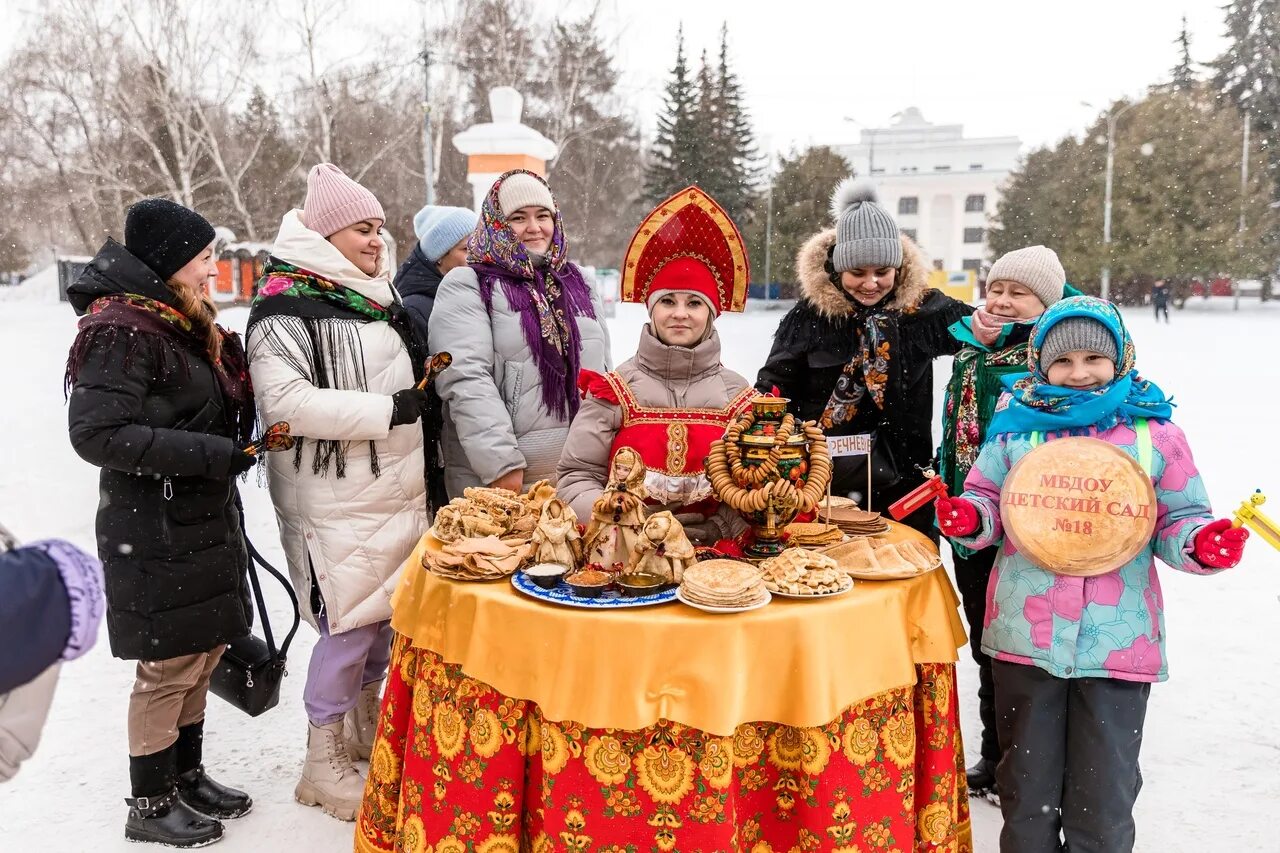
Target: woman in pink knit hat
[331,352]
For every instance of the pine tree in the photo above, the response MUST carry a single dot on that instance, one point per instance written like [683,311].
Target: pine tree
[1183,74]
[676,158]
[734,143]
[1249,71]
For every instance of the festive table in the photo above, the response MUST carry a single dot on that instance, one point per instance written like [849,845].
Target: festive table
[511,724]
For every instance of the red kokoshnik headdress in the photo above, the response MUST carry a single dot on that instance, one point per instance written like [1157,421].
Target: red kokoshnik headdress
[689,243]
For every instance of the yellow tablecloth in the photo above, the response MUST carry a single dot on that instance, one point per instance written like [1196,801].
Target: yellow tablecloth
[800,663]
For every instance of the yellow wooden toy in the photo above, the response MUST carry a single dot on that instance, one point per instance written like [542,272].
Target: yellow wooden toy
[1248,515]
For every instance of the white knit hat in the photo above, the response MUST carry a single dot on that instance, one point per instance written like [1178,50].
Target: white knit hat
[1035,267]
[524,190]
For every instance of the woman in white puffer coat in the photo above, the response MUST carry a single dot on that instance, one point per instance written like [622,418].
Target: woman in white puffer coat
[520,321]
[331,352]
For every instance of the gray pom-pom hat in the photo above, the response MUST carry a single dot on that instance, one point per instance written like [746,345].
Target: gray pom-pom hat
[866,235]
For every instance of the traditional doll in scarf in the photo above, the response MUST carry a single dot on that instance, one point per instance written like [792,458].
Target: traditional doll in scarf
[1075,657]
[662,549]
[520,320]
[618,514]
[1020,285]
[556,539]
[856,352]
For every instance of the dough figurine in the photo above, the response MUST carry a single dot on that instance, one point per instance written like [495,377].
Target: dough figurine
[662,548]
[556,538]
[618,514]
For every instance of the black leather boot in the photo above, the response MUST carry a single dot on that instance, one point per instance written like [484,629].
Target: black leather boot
[982,779]
[209,797]
[194,785]
[157,814]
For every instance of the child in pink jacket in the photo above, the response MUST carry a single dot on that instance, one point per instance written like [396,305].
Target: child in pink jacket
[1075,657]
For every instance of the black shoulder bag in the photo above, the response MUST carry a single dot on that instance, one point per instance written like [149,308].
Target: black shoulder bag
[251,669]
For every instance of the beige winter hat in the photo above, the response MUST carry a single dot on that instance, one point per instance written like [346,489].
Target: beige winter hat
[1037,267]
[523,190]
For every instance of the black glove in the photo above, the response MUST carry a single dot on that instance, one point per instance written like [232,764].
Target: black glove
[241,461]
[407,406]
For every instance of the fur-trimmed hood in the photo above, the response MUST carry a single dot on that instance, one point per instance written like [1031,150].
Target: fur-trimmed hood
[819,283]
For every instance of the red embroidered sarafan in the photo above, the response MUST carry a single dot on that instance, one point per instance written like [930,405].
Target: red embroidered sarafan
[687,243]
[672,443]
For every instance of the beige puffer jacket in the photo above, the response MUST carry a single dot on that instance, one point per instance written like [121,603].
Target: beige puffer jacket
[354,531]
[660,376]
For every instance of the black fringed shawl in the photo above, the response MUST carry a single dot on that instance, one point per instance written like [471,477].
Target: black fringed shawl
[319,338]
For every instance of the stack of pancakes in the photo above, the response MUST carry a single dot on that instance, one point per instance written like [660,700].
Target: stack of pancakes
[860,559]
[853,521]
[812,535]
[724,583]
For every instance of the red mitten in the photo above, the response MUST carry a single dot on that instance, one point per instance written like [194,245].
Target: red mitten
[956,517]
[1218,545]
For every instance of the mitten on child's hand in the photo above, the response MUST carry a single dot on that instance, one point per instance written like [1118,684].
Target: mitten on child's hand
[956,516]
[1218,545]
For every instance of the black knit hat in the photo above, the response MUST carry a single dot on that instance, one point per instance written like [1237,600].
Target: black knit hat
[164,235]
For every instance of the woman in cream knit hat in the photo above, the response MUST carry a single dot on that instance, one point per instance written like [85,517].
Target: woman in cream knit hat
[1020,286]
[520,320]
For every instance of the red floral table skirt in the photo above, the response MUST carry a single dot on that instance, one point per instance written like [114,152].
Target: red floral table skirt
[458,767]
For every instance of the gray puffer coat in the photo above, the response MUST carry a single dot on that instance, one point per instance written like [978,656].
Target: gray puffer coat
[494,420]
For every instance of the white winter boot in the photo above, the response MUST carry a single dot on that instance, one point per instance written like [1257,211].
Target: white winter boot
[328,779]
[360,725]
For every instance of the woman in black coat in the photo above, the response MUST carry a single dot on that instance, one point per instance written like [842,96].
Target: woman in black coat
[160,400]
[856,352]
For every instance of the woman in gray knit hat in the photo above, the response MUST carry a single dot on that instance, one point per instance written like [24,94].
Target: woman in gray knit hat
[856,352]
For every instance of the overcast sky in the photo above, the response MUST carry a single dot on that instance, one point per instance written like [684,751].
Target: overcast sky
[1000,67]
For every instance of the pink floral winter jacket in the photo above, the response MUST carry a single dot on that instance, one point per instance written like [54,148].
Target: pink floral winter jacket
[1109,626]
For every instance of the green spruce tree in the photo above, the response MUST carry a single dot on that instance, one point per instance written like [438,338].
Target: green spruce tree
[1183,75]
[676,157]
[1249,71]
[735,147]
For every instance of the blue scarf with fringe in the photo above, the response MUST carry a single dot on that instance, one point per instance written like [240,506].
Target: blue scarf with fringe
[1033,405]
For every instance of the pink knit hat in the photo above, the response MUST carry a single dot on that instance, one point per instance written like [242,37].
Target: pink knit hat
[334,201]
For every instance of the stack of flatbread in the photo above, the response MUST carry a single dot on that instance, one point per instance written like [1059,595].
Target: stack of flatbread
[812,535]
[860,559]
[797,571]
[476,559]
[484,511]
[724,583]
[853,521]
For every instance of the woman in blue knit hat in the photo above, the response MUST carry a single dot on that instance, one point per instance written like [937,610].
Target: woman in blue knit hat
[442,246]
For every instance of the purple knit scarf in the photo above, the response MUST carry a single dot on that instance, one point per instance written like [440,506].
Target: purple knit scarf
[558,370]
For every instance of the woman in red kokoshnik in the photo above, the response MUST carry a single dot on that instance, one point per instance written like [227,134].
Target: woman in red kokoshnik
[669,401]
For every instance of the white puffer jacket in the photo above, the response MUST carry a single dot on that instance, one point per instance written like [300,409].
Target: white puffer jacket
[494,420]
[353,531]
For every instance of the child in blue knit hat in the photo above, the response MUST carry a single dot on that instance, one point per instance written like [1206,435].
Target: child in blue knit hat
[1075,657]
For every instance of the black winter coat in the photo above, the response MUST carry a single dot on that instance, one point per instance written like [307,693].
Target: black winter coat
[417,281]
[148,410]
[818,338]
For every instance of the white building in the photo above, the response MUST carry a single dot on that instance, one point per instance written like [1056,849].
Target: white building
[939,185]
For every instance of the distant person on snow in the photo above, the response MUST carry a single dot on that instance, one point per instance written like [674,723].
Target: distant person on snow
[50,608]
[161,402]
[1160,298]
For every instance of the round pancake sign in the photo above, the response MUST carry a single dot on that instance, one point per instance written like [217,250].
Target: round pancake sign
[1078,506]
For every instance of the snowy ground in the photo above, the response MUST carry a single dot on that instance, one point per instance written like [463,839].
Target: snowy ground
[1211,740]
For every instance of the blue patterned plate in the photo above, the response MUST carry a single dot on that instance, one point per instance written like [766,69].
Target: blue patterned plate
[610,600]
